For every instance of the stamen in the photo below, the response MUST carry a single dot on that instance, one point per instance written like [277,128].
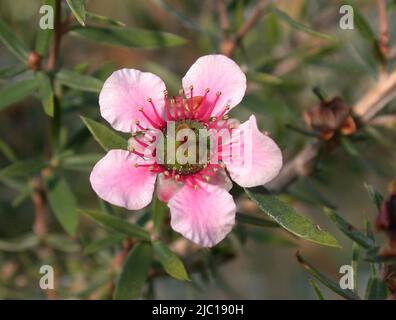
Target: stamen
[201,109]
[154,124]
[191,102]
[161,121]
[207,114]
[168,113]
[182,106]
[222,114]
[142,143]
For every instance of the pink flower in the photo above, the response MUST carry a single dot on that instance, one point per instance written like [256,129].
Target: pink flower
[201,207]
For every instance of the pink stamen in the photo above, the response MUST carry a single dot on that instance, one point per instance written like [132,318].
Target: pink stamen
[201,108]
[191,102]
[161,121]
[144,144]
[208,113]
[182,106]
[220,116]
[168,113]
[152,122]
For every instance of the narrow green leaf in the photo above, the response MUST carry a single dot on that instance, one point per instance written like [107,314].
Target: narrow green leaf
[19,244]
[6,150]
[256,221]
[63,204]
[46,93]
[78,9]
[23,168]
[12,71]
[299,26]
[16,92]
[16,46]
[355,265]
[264,78]
[106,137]
[130,38]
[349,230]
[81,162]
[170,261]
[349,147]
[269,238]
[78,81]
[134,272]
[117,224]
[160,211]
[105,20]
[329,283]
[375,196]
[23,195]
[44,36]
[316,288]
[376,289]
[103,243]
[289,219]
[62,243]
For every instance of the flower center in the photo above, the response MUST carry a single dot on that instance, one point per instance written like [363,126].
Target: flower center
[185,147]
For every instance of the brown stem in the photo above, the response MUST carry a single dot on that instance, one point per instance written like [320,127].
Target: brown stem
[53,56]
[384,32]
[229,46]
[40,223]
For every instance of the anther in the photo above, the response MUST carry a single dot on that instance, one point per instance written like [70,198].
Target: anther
[166,173]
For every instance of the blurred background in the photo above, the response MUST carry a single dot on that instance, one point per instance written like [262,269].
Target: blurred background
[283,64]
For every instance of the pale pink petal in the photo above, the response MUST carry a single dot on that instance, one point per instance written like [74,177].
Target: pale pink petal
[167,188]
[256,160]
[115,179]
[124,92]
[218,73]
[204,215]
[221,179]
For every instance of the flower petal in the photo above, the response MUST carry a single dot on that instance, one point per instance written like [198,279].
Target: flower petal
[259,159]
[167,188]
[218,73]
[204,215]
[115,179]
[124,92]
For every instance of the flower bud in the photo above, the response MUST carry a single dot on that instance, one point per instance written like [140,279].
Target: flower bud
[329,117]
[34,60]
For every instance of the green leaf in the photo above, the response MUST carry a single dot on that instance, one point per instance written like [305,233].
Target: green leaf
[16,46]
[316,288]
[130,38]
[16,92]
[19,244]
[79,81]
[349,147]
[46,93]
[375,196]
[6,150]
[170,261]
[264,78]
[81,162]
[62,243]
[106,137]
[255,221]
[289,219]
[332,285]
[160,210]
[78,9]
[299,26]
[376,289]
[134,272]
[117,224]
[63,204]
[23,195]
[350,231]
[23,168]
[44,36]
[12,71]
[103,243]
[105,20]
